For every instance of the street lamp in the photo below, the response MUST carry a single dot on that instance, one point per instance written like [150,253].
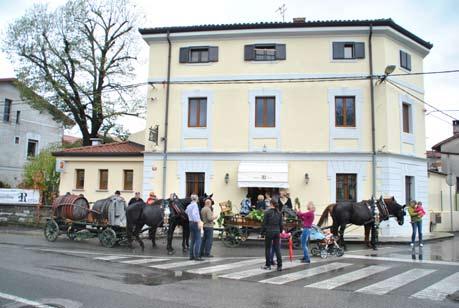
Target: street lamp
[387,71]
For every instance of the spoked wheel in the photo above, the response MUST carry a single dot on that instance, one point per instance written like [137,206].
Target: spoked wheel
[296,238]
[108,238]
[323,253]
[51,230]
[71,233]
[339,252]
[231,237]
[315,251]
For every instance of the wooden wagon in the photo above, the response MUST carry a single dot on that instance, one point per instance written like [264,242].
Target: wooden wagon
[73,216]
[236,228]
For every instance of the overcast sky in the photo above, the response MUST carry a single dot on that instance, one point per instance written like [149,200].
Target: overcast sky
[436,21]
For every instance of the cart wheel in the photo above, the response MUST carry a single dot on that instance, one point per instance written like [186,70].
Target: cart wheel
[107,238]
[315,251]
[339,252]
[231,237]
[244,234]
[51,230]
[296,239]
[71,233]
[323,253]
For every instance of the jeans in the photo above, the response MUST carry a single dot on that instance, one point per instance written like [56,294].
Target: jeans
[416,225]
[272,240]
[195,243]
[273,251]
[304,243]
[207,240]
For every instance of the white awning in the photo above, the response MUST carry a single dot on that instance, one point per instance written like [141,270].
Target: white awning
[263,174]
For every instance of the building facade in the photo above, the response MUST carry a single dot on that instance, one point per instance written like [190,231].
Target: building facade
[98,171]
[253,108]
[24,132]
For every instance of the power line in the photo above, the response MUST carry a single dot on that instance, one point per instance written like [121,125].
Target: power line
[419,99]
[427,73]
[432,115]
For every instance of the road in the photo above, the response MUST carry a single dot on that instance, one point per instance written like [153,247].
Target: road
[36,273]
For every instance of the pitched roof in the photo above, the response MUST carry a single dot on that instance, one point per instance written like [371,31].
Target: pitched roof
[280,25]
[125,148]
[40,102]
[437,147]
[433,154]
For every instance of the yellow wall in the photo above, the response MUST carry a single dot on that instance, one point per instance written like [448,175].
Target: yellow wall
[304,115]
[91,165]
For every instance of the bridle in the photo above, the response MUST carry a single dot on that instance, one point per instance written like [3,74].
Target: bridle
[383,210]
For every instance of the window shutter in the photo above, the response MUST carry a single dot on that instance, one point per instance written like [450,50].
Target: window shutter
[213,53]
[359,50]
[338,50]
[184,55]
[280,52]
[249,52]
[402,63]
[408,62]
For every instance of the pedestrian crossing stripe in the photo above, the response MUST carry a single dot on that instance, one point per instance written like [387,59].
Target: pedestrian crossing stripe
[438,291]
[283,279]
[225,267]
[348,278]
[142,261]
[394,282]
[183,263]
[111,258]
[258,271]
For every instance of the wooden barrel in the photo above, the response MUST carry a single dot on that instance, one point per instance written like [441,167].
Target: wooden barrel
[72,207]
[101,208]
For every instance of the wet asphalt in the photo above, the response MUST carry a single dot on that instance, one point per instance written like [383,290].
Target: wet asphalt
[65,274]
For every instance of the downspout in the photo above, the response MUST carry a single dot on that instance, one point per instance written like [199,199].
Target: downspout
[373,142]
[166,118]
[373,129]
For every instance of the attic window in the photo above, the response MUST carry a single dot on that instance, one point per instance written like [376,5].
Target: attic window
[264,52]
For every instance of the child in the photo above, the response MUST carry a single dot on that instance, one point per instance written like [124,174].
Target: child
[419,209]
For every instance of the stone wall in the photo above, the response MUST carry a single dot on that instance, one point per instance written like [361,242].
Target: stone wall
[23,214]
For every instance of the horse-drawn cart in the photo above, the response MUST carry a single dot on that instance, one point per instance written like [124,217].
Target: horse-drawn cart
[73,216]
[237,228]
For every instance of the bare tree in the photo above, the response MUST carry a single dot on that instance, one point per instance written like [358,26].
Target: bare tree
[80,58]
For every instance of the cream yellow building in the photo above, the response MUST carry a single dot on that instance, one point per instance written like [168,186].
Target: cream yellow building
[98,171]
[249,108]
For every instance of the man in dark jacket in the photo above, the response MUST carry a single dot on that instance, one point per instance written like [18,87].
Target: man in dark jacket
[136,198]
[271,228]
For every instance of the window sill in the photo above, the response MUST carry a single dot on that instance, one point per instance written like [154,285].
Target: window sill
[405,70]
[101,190]
[127,191]
[408,138]
[345,60]
[198,63]
[78,189]
[264,61]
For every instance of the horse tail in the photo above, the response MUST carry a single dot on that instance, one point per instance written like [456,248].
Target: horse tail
[324,217]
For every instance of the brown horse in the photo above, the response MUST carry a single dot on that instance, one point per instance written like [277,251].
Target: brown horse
[359,213]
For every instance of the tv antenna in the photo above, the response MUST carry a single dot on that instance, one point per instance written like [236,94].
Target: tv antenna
[281,11]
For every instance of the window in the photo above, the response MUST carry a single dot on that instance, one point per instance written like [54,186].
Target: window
[128,180]
[198,54]
[7,110]
[406,117]
[345,111]
[195,183]
[197,112]
[264,52]
[32,147]
[348,50]
[409,189]
[265,111]
[405,60]
[18,116]
[103,179]
[16,140]
[346,187]
[79,181]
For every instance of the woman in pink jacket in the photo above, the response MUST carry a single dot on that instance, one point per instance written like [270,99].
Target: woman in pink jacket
[308,219]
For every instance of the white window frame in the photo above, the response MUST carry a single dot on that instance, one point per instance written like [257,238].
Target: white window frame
[337,133]
[197,132]
[408,138]
[347,166]
[264,132]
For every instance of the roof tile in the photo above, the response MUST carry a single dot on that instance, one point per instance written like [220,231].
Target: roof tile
[127,148]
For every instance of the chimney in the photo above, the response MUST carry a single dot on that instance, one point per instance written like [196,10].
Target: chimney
[299,20]
[455,127]
[96,141]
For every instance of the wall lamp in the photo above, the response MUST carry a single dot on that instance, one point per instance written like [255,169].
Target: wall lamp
[387,71]
[227,178]
[306,178]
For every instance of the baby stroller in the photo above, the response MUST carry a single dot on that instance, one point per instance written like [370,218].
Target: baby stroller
[324,243]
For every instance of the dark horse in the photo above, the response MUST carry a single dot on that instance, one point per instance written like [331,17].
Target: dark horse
[139,214]
[178,217]
[359,213]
